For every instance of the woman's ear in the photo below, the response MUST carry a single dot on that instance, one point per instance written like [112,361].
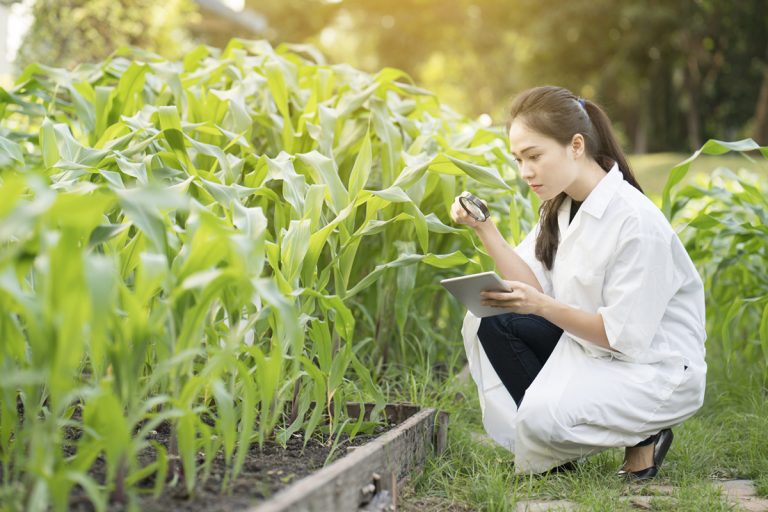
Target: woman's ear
[577,145]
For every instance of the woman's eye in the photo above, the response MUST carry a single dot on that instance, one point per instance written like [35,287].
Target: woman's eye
[534,157]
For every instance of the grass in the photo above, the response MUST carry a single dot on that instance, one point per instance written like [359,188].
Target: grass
[724,440]
[652,169]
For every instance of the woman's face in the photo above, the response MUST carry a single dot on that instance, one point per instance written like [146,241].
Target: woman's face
[547,166]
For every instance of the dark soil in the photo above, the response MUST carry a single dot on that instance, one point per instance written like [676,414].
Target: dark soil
[265,472]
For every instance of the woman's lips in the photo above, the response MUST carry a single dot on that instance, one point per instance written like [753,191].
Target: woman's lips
[535,187]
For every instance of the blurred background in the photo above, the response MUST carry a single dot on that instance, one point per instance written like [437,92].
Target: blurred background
[671,73]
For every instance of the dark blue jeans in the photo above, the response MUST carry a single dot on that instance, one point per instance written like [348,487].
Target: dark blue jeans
[518,346]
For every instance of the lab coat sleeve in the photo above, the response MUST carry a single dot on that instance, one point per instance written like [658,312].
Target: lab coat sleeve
[527,251]
[640,280]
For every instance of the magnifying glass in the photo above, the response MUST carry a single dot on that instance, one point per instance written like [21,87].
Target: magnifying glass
[474,207]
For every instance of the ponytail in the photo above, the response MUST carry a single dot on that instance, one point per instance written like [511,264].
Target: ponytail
[609,149]
[558,113]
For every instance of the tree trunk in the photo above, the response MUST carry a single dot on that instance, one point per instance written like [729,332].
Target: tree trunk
[760,131]
[5,66]
[643,121]
[693,82]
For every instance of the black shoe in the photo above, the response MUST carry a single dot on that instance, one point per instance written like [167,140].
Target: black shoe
[661,443]
[562,468]
[641,475]
[565,468]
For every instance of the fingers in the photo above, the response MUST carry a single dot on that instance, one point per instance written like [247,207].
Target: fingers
[459,215]
[502,295]
[511,305]
[509,285]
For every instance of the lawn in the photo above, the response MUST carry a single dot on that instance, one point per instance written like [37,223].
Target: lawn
[652,169]
[724,440]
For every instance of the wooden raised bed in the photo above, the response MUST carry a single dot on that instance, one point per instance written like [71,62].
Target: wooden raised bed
[368,477]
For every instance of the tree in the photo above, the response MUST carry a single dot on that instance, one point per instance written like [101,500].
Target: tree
[68,32]
[671,73]
[294,21]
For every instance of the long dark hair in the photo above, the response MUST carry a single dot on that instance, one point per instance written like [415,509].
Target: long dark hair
[557,113]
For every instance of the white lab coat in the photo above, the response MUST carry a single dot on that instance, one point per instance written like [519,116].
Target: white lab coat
[618,257]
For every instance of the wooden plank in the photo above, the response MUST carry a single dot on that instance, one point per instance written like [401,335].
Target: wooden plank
[366,478]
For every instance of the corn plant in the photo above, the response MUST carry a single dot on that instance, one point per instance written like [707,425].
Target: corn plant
[724,222]
[235,244]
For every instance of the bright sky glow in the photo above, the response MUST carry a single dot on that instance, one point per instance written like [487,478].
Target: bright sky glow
[19,21]
[235,5]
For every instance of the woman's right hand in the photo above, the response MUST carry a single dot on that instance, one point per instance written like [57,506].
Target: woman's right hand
[460,216]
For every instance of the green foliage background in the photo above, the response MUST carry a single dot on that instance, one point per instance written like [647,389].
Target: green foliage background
[671,74]
[65,33]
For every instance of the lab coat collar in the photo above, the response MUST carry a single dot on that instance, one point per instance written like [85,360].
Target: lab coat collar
[597,200]
[595,203]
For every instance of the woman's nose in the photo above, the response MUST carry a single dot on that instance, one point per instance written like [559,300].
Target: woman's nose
[525,171]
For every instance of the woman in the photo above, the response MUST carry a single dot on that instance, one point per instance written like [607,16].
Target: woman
[602,341]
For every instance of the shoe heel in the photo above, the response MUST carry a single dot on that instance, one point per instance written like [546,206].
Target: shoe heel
[662,446]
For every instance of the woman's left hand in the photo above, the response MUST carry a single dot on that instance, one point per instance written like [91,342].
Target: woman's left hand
[523,298]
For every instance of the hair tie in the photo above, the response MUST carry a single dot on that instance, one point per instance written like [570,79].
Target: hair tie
[581,102]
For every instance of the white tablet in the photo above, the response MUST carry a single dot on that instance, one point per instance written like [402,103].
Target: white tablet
[467,289]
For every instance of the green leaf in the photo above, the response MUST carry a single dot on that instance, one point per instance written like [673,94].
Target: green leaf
[185,437]
[422,230]
[362,168]
[317,242]
[170,123]
[414,172]
[764,332]
[249,398]
[295,245]
[704,221]
[103,105]
[406,281]
[436,225]
[105,232]
[451,260]
[277,86]
[323,170]
[377,226]
[48,143]
[393,195]
[676,175]
[11,193]
[344,321]
[322,344]
[486,175]
[130,87]
[141,207]
[225,411]
[9,152]
[319,387]
[405,259]
[82,211]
